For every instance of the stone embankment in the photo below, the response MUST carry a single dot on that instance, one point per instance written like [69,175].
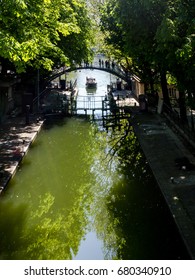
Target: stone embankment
[173,166]
[15,139]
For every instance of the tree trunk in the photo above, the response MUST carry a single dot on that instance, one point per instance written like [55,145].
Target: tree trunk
[152,86]
[164,88]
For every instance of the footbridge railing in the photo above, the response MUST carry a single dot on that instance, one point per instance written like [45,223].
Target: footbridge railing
[113,69]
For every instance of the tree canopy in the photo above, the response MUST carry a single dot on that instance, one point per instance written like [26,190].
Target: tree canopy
[158,36]
[176,40]
[39,33]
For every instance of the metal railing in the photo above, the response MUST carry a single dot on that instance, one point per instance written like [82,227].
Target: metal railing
[89,102]
[115,70]
[183,128]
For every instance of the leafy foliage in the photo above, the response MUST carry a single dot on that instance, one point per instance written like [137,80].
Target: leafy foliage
[120,170]
[159,38]
[32,32]
[176,40]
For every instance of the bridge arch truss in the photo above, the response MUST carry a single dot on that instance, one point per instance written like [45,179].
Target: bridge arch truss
[116,71]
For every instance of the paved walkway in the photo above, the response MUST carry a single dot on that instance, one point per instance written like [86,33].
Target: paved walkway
[15,140]
[173,166]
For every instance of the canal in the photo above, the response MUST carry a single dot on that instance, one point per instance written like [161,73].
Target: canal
[82,193]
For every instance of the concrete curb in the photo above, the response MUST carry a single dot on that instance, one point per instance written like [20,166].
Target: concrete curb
[12,153]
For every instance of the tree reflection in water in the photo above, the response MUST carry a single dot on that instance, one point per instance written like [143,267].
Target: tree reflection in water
[44,213]
[86,181]
[130,214]
[58,236]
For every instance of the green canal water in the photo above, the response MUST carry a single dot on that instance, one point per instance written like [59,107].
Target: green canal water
[82,193]
[76,196]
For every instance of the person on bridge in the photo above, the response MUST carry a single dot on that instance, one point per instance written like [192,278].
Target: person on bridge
[107,64]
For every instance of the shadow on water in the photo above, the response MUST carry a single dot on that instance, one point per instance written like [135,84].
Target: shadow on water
[12,221]
[51,122]
[139,224]
[62,121]
[144,226]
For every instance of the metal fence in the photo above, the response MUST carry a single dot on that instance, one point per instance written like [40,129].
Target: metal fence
[185,129]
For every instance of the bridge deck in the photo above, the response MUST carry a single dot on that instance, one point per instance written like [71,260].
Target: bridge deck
[116,70]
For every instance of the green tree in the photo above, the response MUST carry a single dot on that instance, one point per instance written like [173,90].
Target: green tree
[110,25]
[176,42]
[138,22]
[114,35]
[78,45]
[32,32]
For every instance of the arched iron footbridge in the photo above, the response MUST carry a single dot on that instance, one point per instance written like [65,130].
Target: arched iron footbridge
[114,70]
